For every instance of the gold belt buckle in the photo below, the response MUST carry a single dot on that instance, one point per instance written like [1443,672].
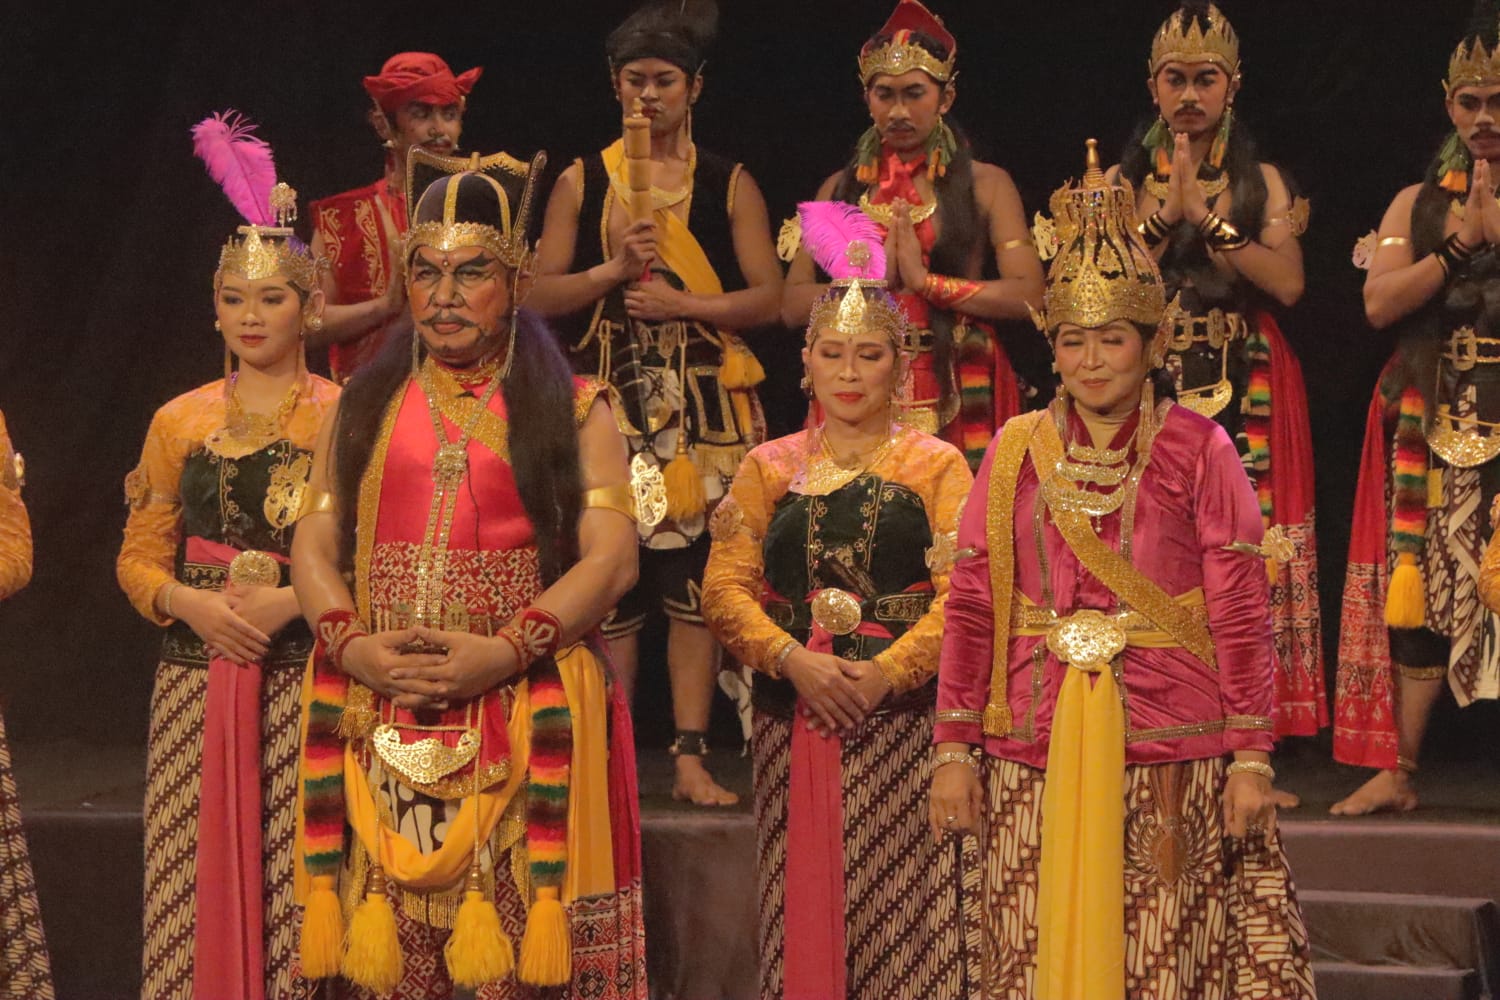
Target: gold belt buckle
[837,611]
[1087,640]
[1464,345]
[425,761]
[253,568]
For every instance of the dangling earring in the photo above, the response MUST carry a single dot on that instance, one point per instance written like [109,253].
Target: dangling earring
[1454,162]
[228,366]
[941,145]
[1220,147]
[416,352]
[1158,142]
[217,327]
[867,156]
[807,386]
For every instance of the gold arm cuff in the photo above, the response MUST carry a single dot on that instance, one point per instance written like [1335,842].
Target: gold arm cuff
[1423,673]
[1016,244]
[966,716]
[1394,241]
[618,497]
[315,502]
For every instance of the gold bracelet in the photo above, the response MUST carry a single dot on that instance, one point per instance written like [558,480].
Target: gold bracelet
[955,757]
[166,599]
[1252,767]
[1406,764]
[777,664]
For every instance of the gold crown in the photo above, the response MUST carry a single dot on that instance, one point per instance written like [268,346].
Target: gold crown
[1219,44]
[897,57]
[845,309]
[1472,65]
[259,252]
[1103,271]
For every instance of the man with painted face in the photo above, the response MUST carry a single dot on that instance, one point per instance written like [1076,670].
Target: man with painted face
[650,301]
[416,101]
[467,760]
[1224,227]
[1431,462]
[939,210]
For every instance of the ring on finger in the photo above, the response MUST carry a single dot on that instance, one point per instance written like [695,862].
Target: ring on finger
[949,820]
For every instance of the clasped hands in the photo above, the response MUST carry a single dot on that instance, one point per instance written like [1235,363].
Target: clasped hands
[837,694]
[1185,198]
[1480,225]
[904,268]
[459,666]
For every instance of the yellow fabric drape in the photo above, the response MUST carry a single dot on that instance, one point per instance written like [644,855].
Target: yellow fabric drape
[1080,886]
[678,248]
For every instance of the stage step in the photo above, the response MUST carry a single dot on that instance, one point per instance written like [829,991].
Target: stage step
[1455,859]
[1349,981]
[1453,941]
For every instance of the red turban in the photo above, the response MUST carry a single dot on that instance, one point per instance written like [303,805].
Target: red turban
[419,76]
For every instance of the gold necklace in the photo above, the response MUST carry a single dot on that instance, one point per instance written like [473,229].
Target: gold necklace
[449,467]
[661,198]
[827,473]
[885,214]
[246,433]
[1159,188]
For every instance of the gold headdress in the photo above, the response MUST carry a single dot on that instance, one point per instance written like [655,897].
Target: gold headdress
[900,53]
[1473,63]
[458,201]
[1103,271]
[245,170]
[257,252]
[1182,38]
[849,248]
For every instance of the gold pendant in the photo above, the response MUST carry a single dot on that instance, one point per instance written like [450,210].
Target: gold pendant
[837,611]
[1087,640]
[284,496]
[1061,495]
[450,465]
[253,568]
[426,761]
[1208,401]
[1099,475]
[649,490]
[1458,441]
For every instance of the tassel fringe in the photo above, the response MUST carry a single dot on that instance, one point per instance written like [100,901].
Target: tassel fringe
[1405,601]
[478,951]
[322,930]
[373,956]
[546,947]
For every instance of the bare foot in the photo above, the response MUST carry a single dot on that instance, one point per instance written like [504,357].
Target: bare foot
[1285,799]
[1387,791]
[694,784]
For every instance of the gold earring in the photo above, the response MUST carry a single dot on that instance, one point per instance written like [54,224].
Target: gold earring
[315,323]
[807,386]
[217,327]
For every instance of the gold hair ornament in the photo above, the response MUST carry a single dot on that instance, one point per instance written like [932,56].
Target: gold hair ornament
[259,252]
[508,242]
[1472,65]
[895,58]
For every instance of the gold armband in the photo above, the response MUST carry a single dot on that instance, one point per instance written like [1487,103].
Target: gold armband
[618,497]
[315,502]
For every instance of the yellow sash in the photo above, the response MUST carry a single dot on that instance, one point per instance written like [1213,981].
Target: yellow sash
[678,248]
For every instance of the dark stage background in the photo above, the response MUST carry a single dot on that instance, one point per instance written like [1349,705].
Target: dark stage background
[110,229]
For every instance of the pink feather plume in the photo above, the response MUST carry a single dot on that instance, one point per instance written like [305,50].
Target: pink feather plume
[828,227]
[239,163]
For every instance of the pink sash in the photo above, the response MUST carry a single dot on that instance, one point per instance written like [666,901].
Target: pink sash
[813,947]
[228,951]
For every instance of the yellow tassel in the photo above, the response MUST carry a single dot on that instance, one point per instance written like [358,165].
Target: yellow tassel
[1273,570]
[547,946]
[685,499]
[478,951]
[373,956]
[322,930]
[744,416]
[1434,487]
[1405,600]
[741,368]
[997,720]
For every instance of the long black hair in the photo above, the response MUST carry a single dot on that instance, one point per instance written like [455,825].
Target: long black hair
[544,457]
